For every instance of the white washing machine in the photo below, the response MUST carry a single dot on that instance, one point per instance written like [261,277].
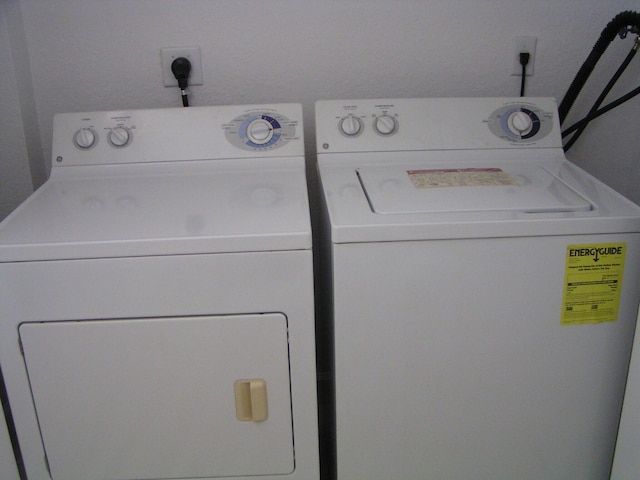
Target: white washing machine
[484,292]
[157,313]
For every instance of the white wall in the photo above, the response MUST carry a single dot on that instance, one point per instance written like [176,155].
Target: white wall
[85,55]
[15,176]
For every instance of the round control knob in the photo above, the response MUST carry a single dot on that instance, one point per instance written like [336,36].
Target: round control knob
[85,138]
[260,131]
[119,136]
[350,126]
[385,125]
[520,123]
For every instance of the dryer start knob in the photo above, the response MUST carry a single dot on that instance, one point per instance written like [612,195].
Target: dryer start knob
[350,125]
[260,131]
[85,138]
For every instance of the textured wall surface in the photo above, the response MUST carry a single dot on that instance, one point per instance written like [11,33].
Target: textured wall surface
[82,55]
[15,177]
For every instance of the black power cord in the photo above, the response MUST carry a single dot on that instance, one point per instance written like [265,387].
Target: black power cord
[181,68]
[524,61]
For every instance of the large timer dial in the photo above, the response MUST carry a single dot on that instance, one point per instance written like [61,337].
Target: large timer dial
[520,123]
[260,131]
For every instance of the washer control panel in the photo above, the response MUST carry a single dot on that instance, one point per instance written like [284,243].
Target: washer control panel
[376,125]
[260,130]
[380,118]
[177,134]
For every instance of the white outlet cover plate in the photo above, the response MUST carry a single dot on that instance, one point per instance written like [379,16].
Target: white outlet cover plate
[524,44]
[168,55]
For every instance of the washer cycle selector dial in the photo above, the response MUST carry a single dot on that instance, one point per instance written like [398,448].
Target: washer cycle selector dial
[260,131]
[350,126]
[85,138]
[520,122]
[385,124]
[119,136]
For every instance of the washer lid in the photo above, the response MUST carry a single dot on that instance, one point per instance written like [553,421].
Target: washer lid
[520,188]
[379,202]
[164,209]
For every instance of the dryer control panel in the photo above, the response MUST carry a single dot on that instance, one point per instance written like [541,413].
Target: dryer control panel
[177,134]
[416,124]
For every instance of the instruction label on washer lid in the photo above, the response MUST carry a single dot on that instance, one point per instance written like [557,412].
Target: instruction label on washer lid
[592,283]
[460,177]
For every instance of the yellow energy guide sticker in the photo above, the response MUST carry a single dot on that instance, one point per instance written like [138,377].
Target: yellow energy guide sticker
[592,283]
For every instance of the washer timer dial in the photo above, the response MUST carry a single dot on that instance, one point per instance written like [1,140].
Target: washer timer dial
[520,123]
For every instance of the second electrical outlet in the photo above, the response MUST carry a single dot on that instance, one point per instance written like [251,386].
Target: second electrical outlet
[168,55]
[524,44]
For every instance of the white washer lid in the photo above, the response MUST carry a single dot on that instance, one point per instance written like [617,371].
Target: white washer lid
[142,210]
[521,188]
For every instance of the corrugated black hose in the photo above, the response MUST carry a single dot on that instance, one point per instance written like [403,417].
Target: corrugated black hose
[594,112]
[621,24]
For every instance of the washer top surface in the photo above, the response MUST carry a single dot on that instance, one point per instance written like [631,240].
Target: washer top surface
[183,181]
[514,188]
[410,169]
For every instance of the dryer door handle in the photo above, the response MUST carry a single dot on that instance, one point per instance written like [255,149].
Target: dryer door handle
[251,400]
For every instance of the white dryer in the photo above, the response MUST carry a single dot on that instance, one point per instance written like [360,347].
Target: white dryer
[157,317]
[483,292]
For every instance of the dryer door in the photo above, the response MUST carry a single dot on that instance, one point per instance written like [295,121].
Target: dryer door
[192,397]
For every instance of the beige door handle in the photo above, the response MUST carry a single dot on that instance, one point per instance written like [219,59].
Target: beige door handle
[251,400]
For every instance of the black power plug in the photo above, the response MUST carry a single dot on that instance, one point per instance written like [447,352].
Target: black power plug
[524,61]
[181,68]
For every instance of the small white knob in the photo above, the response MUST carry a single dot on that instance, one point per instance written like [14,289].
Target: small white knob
[260,131]
[520,123]
[84,138]
[350,125]
[385,125]
[119,136]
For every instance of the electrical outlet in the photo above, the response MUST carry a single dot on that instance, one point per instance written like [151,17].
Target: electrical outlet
[168,55]
[524,44]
